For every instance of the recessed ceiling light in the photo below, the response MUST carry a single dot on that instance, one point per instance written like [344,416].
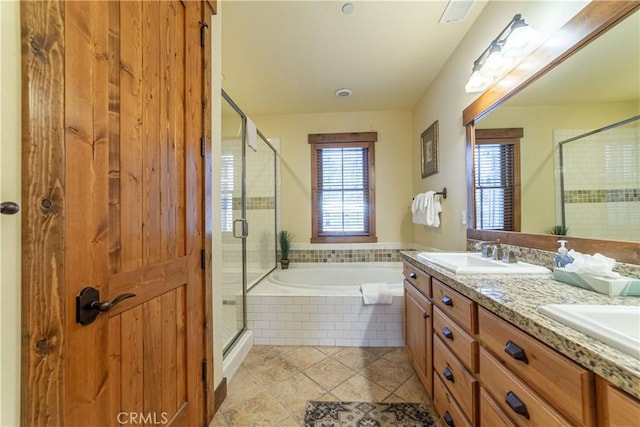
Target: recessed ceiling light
[347,8]
[344,92]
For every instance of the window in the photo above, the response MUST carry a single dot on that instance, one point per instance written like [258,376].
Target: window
[497,179]
[226,191]
[343,194]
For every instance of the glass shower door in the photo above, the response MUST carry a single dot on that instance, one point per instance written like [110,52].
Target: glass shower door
[232,217]
[260,209]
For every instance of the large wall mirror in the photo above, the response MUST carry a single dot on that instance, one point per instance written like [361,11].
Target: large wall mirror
[591,189]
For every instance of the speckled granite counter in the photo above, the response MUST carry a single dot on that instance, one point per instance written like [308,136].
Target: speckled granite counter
[516,299]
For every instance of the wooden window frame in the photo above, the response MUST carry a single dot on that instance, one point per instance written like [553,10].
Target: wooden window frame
[510,136]
[340,140]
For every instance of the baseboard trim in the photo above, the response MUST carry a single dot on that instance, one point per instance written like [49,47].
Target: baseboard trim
[219,395]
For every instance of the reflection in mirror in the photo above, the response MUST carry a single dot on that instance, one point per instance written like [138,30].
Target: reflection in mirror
[598,181]
[594,88]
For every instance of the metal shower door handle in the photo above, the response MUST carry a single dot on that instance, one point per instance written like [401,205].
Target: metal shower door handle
[245,228]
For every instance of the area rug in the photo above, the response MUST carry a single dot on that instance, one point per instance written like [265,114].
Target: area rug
[366,414]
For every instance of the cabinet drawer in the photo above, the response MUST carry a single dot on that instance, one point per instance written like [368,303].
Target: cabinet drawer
[490,412]
[460,383]
[463,345]
[418,278]
[550,373]
[446,405]
[615,407]
[523,405]
[455,305]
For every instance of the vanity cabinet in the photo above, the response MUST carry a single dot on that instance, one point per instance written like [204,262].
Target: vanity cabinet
[546,374]
[418,324]
[455,353]
[615,407]
[481,370]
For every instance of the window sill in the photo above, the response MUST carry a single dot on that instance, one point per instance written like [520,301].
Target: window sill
[344,239]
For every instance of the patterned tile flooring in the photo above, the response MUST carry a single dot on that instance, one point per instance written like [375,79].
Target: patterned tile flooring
[271,387]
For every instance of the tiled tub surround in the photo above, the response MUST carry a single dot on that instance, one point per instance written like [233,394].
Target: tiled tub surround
[355,252]
[516,299]
[323,316]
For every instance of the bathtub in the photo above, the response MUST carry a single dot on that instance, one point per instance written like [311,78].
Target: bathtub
[321,304]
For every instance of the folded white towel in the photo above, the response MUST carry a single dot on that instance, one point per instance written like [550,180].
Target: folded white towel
[376,293]
[425,209]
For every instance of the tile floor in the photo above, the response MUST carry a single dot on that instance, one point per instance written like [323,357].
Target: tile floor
[271,387]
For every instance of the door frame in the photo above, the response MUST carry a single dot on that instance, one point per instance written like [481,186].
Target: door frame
[43,212]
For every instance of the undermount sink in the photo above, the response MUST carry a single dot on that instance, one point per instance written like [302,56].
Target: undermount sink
[616,325]
[474,263]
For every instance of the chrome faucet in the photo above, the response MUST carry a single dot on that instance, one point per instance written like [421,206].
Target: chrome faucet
[489,248]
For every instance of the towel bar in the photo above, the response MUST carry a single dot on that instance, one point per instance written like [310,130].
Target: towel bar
[443,193]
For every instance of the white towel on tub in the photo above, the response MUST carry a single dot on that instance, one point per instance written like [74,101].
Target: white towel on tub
[376,293]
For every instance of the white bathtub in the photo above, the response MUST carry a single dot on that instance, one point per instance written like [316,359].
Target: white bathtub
[321,304]
[330,279]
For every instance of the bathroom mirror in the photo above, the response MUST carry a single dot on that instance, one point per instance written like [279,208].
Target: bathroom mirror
[566,81]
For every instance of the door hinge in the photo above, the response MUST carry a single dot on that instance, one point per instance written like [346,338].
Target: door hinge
[203,25]
[203,143]
[203,259]
[204,371]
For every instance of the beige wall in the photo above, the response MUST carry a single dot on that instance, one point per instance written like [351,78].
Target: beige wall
[445,100]
[537,165]
[392,167]
[10,225]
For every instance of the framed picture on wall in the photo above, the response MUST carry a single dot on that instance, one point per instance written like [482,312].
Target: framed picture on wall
[429,150]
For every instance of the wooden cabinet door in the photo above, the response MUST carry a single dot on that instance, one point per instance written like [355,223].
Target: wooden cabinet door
[114,195]
[419,336]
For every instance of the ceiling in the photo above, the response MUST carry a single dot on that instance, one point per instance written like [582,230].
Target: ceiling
[290,57]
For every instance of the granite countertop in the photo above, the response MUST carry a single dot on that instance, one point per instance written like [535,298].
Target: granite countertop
[516,299]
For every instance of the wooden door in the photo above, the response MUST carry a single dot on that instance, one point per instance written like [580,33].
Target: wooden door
[113,192]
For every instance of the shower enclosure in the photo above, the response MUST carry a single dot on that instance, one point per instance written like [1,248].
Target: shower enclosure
[599,181]
[247,215]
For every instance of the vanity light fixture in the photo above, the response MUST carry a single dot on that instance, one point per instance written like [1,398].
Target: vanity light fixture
[513,43]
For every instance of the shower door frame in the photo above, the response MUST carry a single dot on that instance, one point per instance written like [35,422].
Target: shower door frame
[245,231]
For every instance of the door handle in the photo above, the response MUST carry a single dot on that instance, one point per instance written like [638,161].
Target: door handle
[88,305]
[245,228]
[9,208]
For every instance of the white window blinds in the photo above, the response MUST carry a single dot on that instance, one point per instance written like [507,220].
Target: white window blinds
[343,191]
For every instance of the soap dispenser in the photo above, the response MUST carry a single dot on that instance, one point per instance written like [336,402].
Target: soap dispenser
[562,257]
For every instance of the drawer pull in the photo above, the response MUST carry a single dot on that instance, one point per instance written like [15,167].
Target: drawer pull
[515,351]
[412,275]
[446,300]
[448,419]
[517,405]
[425,316]
[448,374]
[447,333]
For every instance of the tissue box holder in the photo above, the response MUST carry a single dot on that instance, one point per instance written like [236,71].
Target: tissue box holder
[622,286]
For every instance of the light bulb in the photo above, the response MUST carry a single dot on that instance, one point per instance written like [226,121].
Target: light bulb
[478,81]
[496,63]
[521,40]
